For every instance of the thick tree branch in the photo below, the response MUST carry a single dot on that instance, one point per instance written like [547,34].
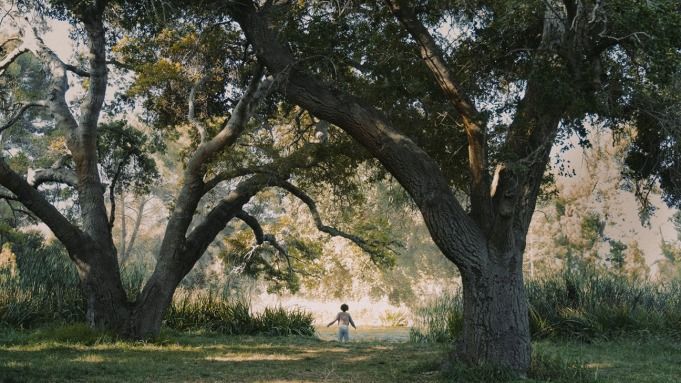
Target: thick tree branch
[194,188]
[253,223]
[453,231]
[191,115]
[58,84]
[72,237]
[228,175]
[215,221]
[257,90]
[475,130]
[261,237]
[76,70]
[59,172]
[13,120]
[531,134]
[98,73]
[59,175]
[11,56]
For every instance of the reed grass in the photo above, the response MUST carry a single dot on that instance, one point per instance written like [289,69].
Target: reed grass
[582,306]
[40,286]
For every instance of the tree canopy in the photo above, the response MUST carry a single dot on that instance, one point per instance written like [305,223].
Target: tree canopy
[460,102]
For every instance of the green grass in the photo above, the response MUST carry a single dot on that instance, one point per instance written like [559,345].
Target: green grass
[76,354]
[179,357]
[638,359]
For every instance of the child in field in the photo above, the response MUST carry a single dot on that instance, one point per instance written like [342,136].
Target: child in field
[344,320]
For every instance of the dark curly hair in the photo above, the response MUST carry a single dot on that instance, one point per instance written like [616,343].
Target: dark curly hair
[344,307]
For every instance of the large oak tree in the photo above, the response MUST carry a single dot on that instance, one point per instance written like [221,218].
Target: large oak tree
[568,61]
[413,83]
[217,175]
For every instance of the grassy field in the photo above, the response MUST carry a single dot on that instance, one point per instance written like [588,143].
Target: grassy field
[73,354]
[647,360]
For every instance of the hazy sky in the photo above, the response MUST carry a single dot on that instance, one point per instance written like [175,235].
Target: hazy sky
[626,224]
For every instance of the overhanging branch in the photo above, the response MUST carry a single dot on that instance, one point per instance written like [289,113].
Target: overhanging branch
[261,237]
[69,235]
[369,247]
[191,114]
[13,120]
[417,172]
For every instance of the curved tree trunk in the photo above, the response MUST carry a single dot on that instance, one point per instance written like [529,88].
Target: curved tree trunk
[486,245]
[147,314]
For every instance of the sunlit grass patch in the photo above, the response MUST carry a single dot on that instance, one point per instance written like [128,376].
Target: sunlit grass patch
[191,358]
[90,358]
[251,357]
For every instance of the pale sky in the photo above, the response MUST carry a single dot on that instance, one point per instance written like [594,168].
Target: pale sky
[626,225]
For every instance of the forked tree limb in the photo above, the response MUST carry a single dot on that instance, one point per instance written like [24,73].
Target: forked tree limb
[69,234]
[432,56]
[261,237]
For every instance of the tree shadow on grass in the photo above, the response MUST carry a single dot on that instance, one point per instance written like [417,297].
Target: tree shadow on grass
[232,360]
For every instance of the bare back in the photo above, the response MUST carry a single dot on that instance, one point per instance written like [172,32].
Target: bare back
[344,318]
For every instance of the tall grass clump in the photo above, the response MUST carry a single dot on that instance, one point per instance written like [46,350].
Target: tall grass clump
[439,320]
[38,283]
[591,305]
[39,286]
[584,306]
[210,311]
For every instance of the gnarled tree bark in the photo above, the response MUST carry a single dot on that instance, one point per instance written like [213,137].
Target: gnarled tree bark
[486,244]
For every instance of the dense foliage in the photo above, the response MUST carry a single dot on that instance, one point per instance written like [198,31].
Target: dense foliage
[579,306]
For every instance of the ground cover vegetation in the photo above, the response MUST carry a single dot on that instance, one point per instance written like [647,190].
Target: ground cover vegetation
[459,102]
[77,353]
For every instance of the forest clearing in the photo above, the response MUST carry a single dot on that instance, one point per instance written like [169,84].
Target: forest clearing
[469,190]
